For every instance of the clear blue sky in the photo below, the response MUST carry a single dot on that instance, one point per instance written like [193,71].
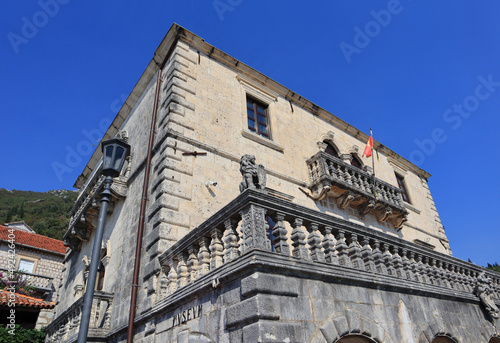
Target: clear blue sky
[424,74]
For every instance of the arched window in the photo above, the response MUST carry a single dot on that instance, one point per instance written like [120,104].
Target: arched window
[331,150]
[355,162]
[494,340]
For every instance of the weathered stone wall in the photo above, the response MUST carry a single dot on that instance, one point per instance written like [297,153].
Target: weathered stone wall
[280,306]
[202,109]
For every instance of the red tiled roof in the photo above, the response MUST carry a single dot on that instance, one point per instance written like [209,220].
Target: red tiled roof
[24,300]
[33,240]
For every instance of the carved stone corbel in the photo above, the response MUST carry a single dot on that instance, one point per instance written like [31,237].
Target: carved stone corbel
[400,220]
[383,214]
[72,242]
[345,199]
[365,207]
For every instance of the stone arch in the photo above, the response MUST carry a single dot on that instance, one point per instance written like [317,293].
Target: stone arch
[444,338]
[437,329]
[328,138]
[350,323]
[494,339]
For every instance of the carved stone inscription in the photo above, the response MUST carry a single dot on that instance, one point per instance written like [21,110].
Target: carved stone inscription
[186,315]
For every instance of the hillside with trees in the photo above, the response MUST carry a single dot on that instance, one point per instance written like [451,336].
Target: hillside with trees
[46,213]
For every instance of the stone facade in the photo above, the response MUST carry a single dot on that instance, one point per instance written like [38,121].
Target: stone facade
[342,253]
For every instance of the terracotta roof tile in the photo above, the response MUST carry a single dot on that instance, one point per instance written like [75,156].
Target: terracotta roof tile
[24,301]
[33,240]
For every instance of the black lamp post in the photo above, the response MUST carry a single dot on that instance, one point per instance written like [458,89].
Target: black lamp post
[115,151]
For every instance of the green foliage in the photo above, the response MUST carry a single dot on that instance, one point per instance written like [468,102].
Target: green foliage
[21,335]
[46,213]
[495,267]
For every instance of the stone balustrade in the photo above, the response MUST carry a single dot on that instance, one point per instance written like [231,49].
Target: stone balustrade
[356,188]
[66,325]
[315,237]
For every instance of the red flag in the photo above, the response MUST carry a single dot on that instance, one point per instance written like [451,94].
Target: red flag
[369,146]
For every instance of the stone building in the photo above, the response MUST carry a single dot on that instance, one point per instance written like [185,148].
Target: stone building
[263,223]
[41,260]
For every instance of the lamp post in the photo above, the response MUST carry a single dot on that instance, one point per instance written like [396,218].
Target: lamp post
[115,151]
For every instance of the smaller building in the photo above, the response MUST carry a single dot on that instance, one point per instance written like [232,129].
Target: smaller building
[40,258]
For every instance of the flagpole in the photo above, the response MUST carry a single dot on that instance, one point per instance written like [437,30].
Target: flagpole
[373,165]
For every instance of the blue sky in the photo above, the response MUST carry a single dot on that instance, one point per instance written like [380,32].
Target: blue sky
[425,75]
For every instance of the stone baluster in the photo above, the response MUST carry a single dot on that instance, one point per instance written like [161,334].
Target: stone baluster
[163,290]
[469,284]
[172,277]
[314,241]
[406,264]
[182,270]
[329,246]
[449,274]
[434,273]
[253,228]
[192,263]
[426,270]
[355,253]
[203,257]
[341,248]
[460,279]
[299,240]
[333,171]
[441,274]
[388,260]
[367,255]
[398,263]
[414,267]
[347,175]
[230,238]
[216,249]
[455,279]
[378,258]
[279,232]
[107,317]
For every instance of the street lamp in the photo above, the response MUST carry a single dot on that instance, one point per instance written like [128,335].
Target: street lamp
[115,151]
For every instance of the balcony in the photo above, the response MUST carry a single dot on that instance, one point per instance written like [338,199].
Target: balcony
[64,328]
[308,243]
[354,187]
[41,283]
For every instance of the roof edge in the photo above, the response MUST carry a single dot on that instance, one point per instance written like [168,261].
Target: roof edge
[178,32]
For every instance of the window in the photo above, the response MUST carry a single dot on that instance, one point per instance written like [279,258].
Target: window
[26,265]
[257,117]
[355,162]
[331,150]
[402,187]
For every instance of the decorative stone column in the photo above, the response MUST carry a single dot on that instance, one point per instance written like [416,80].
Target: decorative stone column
[253,228]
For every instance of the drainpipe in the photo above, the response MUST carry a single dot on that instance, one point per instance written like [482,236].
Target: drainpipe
[144,199]
[140,229]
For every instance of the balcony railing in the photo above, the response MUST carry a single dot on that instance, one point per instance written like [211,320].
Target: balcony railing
[304,234]
[41,283]
[65,327]
[356,188]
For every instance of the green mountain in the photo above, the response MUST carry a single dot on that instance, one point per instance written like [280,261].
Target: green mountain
[46,213]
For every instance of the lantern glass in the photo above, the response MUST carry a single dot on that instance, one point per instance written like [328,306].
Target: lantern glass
[115,151]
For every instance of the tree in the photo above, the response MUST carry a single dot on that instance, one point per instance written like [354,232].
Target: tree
[495,267]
